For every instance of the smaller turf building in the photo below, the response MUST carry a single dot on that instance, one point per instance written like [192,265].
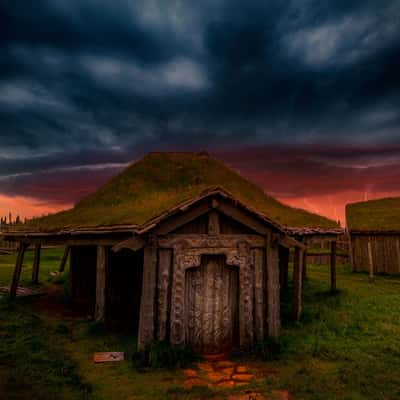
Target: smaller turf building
[374,231]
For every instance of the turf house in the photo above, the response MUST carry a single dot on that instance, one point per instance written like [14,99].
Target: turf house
[180,248]
[374,230]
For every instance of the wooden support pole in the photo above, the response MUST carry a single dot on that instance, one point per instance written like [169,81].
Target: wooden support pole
[147,303]
[297,282]
[213,223]
[283,266]
[64,259]
[17,270]
[304,274]
[350,250]
[36,264]
[101,276]
[333,266]
[273,289]
[259,291]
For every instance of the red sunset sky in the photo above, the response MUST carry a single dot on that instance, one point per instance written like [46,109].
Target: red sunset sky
[321,179]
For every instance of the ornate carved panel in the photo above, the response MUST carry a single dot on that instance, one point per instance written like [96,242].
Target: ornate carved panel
[194,241]
[188,254]
[211,303]
[164,261]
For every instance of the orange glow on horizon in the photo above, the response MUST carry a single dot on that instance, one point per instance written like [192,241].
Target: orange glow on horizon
[27,207]
[331,206]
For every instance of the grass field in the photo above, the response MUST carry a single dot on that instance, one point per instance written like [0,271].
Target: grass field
[347,346]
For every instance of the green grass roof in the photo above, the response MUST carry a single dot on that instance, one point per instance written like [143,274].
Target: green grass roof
[161,181]
[374,215]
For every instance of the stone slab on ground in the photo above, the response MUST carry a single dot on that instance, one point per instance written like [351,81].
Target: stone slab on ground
[109,356]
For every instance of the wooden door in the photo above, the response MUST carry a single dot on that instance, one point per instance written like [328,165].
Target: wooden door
[212,306]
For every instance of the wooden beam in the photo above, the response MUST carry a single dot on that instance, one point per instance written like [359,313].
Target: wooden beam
[259,290]
[203,240]
[36,264]
[243,218]
[288,242]
[297,282]
[178,220]
[333,266]
[101,278]
[147,303]
[163,300]
[304,273]
[213,223]
[350,249]
[283,266]
[134,243]
[17,270]
[273,289]
[64,259]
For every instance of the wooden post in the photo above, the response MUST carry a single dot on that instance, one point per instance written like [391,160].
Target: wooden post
[273,289]
[259,289]
[147,303]
[64,259]
[101,276]
[36,264]
[164,282]
[213,223]
[333,266]
[370,260]
[283,266]
[17,270]
[350,250]
[297,282]
[304,274]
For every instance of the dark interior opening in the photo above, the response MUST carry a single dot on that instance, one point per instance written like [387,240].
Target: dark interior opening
[124,290]
[83,278]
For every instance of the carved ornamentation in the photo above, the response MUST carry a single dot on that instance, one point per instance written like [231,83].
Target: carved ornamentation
[186,256]
[202,241]
[164,260]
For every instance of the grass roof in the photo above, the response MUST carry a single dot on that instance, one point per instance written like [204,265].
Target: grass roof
[160,181]
[374,215]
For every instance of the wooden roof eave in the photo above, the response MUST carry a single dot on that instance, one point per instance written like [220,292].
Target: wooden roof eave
[148,226]
[373,232]
[309,232]
[100,231]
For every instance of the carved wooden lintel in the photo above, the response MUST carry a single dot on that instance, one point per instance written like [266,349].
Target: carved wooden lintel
[193,241]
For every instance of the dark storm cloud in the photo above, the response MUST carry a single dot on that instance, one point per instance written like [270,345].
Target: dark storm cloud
[95,82]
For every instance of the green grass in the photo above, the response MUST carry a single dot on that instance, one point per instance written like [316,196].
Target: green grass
[374,215]
[50,261]
[161,181]
[347,346]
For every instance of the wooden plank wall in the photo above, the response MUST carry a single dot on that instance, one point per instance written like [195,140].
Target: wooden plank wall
[385,250]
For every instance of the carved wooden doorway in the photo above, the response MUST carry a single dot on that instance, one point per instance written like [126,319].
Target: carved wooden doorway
[212,297]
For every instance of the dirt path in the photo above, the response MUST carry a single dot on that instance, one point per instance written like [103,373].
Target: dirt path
[220,372]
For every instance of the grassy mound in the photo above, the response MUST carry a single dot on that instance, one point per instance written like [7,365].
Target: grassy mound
[161,181]
[374,215]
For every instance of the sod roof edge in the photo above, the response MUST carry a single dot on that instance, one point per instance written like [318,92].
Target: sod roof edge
[161,181]
[374,216]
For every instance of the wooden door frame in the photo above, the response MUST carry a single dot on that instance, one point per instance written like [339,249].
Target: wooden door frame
[189,256]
